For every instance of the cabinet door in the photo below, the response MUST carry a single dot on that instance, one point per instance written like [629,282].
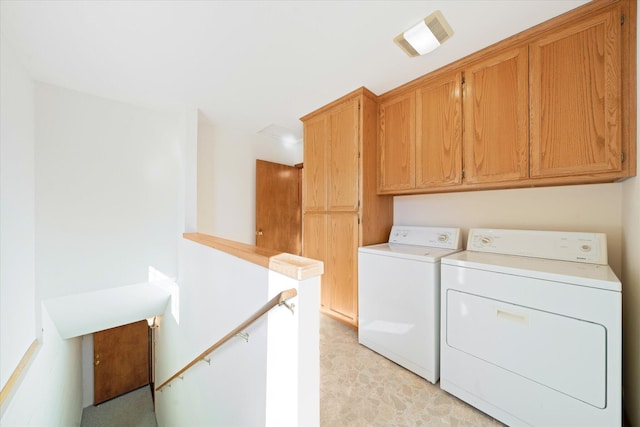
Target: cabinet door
[396,155]
[343,157]
[343,261]
[575,99]
[314,192]
[314,246]
[439,132]
[496,118]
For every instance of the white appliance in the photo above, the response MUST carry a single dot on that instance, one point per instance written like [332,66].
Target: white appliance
[399,296]
[531,328]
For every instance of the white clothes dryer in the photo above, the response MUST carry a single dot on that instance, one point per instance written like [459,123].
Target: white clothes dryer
[531,328]
[399,296]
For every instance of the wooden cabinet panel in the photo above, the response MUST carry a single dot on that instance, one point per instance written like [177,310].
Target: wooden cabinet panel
[343,157]
[314,246]
[439,132]
[343,271]
[347,129]
[496,118]
[575,99]
[314,195]
[396,170]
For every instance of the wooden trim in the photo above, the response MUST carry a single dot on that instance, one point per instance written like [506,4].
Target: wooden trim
[524,183]
[275,301]
[363,91]
[629,86]
[294,266]
[18,372]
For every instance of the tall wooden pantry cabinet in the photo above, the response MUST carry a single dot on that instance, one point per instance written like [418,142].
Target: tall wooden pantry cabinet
[341,210]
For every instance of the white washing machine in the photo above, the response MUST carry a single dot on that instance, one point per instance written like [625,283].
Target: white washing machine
[531,328]
[399,296]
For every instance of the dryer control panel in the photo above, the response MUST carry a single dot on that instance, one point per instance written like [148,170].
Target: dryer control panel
[435,237]
[559,245]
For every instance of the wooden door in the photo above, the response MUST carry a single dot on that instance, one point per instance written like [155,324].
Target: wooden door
[343,265]
[343,157]
[496,103]
[575,99]
[396,168]
[439,132]
[121,360]
[314,192]
[278,207]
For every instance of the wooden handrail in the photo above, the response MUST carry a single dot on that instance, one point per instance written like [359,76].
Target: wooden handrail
[279,299]
[18,372]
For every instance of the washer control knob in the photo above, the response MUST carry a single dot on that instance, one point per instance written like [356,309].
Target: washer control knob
[443,238]
[485,240]
[585,248]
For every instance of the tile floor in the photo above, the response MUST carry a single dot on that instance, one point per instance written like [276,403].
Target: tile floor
[358,387]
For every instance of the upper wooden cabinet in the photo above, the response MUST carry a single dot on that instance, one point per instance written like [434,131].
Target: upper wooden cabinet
[314,194]
[439,132]
[496,107]
[331,159]
[343,146]
[575,98]
[553,105]
[397,143]
[420,136]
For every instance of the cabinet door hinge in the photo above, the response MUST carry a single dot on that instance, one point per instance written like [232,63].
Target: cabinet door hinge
[622,156]
[358,105]
[462,80]
[622,19]
[462,174]
[358,220]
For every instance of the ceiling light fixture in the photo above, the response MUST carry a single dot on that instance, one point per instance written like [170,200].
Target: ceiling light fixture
[425,36]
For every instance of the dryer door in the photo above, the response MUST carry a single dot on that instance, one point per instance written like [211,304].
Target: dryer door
[559,352]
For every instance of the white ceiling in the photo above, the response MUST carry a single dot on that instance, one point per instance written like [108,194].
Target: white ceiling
[246,64]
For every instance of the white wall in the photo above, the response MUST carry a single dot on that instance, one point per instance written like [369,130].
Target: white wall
[51,393]
[227,179]
[245,381]
[631,290]
[107,195]
[17,215]
[107,177]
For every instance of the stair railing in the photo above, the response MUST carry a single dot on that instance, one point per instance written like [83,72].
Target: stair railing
[278,300]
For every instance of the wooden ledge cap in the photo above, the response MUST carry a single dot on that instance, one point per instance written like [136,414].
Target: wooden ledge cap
[294,266]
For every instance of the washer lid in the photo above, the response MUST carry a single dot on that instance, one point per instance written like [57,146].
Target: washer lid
[575,273]
[411,252]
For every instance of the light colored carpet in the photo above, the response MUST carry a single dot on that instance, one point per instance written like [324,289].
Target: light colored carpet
[134,409]
[358,387]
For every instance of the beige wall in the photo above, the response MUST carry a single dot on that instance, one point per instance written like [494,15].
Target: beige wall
[595,208]
[631,293]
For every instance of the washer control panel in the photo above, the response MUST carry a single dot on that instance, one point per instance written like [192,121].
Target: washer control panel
[436,237]
[559,245]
